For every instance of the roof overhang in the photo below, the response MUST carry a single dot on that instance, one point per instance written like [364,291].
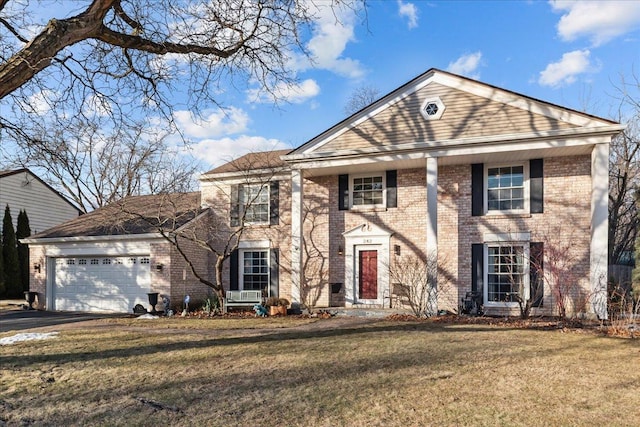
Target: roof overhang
[554,143]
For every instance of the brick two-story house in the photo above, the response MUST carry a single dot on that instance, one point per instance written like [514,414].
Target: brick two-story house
[479,182]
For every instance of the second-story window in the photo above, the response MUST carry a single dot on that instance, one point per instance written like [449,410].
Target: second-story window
[255,200]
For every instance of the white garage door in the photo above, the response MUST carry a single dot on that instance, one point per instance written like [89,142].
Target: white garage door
[114,284]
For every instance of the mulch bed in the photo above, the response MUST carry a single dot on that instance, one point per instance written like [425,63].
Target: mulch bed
[547,323]
[623,330]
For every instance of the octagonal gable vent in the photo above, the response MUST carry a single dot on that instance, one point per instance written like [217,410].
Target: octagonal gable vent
[432,108]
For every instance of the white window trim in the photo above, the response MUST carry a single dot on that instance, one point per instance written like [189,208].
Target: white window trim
[242,205]
[527,286]
[353,177]
[525,183]
[436,100]
[253,248]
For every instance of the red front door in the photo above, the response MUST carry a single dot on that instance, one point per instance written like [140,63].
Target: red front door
[368,275]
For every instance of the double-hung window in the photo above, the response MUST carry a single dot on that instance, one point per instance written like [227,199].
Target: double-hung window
[506,188]
[515,188]
[254,269]
[507,272]
[255,200]
[368,191]
[255,204]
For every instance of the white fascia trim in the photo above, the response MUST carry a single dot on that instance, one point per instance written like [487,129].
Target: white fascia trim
[92,239]
[438,145]
[243,176]
[484,148]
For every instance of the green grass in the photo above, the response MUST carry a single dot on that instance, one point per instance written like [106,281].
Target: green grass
[293,372]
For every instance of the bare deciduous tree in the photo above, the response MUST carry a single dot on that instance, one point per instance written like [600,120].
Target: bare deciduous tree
[93,168]
[96,72]
[361,97]
[126,58]
[416,280]
[624,180]
[624,174]
[217,227]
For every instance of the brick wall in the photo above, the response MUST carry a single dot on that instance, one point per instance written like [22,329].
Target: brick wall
[407,223]
[217,196]
[38,280]
[565,225]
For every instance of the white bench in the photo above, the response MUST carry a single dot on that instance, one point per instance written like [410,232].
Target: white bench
[243,298]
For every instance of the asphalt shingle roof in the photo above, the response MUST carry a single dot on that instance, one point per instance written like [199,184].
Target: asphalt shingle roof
[131,215]
[253,161]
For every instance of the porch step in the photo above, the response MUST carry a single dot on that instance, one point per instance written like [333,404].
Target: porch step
[365,312]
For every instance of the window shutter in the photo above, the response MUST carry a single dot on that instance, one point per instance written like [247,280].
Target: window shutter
[477,189]
[477,267]
[274,202]
[233,272]
[536,272]
[234,209]
[536,186]
[392,190]
[343,192]
[274,279]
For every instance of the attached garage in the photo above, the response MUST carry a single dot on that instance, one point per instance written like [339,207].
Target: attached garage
[107,283]
[110,259]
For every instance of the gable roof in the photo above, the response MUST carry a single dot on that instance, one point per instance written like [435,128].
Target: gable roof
[131,215]
[252,161]
[559,119]
[10,172]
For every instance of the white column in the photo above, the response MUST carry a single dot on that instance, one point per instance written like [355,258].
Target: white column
[296,235]
[599,228]
[432,226]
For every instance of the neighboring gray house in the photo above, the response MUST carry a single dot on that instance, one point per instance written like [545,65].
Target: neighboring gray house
[22,190]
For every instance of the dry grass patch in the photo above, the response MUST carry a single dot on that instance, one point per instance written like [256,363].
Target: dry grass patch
[331,372]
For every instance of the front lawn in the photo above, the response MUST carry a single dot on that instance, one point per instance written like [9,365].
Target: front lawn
[332,372]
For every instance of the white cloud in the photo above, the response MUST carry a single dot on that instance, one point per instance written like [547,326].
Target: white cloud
[221,135]
[564,72]
[215,123]
[467,65]
[600,21]
[40,103]
[218,151]
[332,30]
[294,93]
[409,11]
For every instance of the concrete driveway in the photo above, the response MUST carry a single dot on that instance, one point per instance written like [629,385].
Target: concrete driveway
[20,320]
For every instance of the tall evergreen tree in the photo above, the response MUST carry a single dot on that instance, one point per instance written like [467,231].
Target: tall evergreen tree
[23,230]
[12,281]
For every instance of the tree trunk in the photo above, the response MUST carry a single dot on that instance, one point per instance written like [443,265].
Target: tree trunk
[219,287]
[58,34]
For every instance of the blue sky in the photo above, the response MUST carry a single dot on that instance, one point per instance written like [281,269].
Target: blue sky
[570,53]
